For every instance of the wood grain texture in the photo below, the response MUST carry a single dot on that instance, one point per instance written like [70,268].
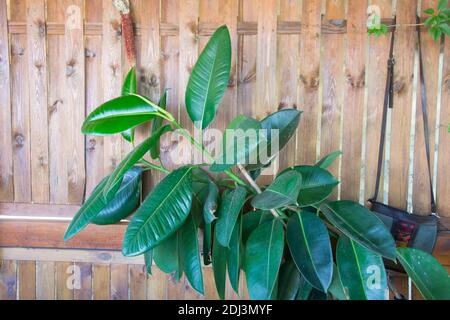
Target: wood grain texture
[83,288]
[6,155]
[119,282]
[354,91]
[26,273]
[138,282]
[45,280]
[421,186]
[308,99]
[377,70]
[64,280]
[8,280]
[37,75]
[157,285]
[401,114]
[333,47]
[443,183]
[101,282]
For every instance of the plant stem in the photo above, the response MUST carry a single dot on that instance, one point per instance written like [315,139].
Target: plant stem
[154,167]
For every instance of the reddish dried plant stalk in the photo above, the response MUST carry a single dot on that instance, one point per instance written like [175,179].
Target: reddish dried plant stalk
[127,28]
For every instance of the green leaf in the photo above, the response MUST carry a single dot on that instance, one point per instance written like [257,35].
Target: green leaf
[286,122]
[240,144]
[362,272]
[234,257]
[429,11]
[161,214]
[129,87]
[328,160]
[430,278]
[148,258]
[289,281]
[445,28]
[263,254]
[310,247]
[219,264]
[443,4]
[90,209]
[282,192]
[361,225]
[230,207]
[189,254]
[252,220]
[209,79]
[209,210]
[131,159]
[167,256]
[124,201]
[119,115]
[156,126]
[336,289]
[317,185]
[304,290]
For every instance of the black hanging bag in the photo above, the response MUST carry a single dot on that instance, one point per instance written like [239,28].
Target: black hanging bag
[408,229]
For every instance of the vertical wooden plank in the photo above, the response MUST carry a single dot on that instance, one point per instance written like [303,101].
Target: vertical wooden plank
[175,289]
[377,70]
[443,183]
[94,95]
[247,48]
[190,293]
[65,280]
[308,100]
[430,53]
[138,282]
[101,282]
[210,285]
[75,98]
[401,114]
[157,285]
[119,282]
[112,75]
[27,280]
[57,107]
[333,46]
[288,50]
[6,159]
[83,290]
[37,75]
[353,111]
[20,107]
[188,46]
[8,280]
[45,280]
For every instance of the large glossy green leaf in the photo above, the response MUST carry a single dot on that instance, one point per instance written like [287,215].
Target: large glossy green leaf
[119,115]
[230,207]
[161,214]
[129,87]
[289,281]
[286,122]
[209,79]
[219,264]
[336,289]
[361,225]
[310,247]
[317,185]
[240,144]
[304,290]
[426,272]
[124,201]
[189,254]
[131,159]
[235,255]
[252,220]
[167,256]
[328,160]
[90,209]
[263,254]
[361,271]
[209,216]
[282,192]
[156,126]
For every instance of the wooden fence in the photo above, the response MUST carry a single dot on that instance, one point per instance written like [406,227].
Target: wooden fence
[59,59]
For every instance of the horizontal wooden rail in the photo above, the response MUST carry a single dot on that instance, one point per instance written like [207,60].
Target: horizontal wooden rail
[204,29]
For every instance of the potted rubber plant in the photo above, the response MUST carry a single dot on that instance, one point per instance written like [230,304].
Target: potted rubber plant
[281,234]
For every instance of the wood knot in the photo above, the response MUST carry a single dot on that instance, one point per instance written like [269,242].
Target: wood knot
[338,22]
[114,68]
[70,68]
[20,140]
[54,107]
[41,28]
[18,51]
[356,82]
[104,256]
[92,143]
[89,54]
[310,82]
[446,82]
[399,85]
[117,28]
[42,161]
[282,105]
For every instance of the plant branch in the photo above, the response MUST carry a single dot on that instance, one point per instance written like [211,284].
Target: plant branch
[154,167]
